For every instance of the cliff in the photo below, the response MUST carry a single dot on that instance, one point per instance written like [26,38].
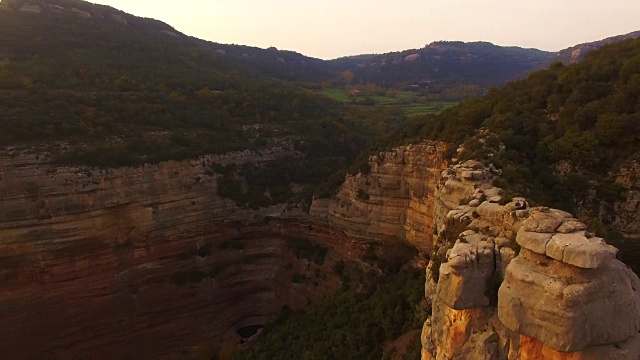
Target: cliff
[150,261]
[394,201]
[524,284]
[146,261]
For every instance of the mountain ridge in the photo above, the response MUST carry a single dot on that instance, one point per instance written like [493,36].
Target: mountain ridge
[438,64]
[578,52]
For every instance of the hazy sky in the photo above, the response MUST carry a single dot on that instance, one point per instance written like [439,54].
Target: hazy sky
[332,28]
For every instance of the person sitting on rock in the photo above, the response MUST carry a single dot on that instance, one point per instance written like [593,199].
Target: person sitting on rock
[519,205]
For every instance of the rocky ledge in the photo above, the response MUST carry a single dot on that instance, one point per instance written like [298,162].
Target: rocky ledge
[566,289]
[528,283]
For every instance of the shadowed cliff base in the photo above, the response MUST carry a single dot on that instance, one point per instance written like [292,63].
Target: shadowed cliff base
[157,300]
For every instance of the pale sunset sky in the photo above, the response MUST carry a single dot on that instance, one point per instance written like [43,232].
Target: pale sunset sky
[329,29]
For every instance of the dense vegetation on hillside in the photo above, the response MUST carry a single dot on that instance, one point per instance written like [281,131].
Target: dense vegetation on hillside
[116,90]
[567,130]
[137,92]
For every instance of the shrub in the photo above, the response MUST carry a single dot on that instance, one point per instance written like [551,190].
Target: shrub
[298,278]
[304,248]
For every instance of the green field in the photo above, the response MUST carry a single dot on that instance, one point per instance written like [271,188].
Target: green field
[336,94]
[408,101]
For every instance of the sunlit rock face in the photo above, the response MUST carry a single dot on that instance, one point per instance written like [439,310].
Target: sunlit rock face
[146,261]
[568,291]
[394,201]
[564,296]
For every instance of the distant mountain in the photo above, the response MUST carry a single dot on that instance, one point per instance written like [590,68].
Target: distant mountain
[578,52]
[270,62]
[450,69]
[446,63]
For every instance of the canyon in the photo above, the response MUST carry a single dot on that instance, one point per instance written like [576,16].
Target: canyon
[503,282]
[149,260]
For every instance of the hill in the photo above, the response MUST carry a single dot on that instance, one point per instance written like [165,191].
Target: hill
[565,137]
[441,65]
[578,52]
[87,84]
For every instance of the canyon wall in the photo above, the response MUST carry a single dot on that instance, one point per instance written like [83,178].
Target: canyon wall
[150,261]
[145,261]
[392,202]
[528,283]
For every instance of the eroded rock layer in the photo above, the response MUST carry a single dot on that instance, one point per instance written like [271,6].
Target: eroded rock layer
[394,201]
[150,262]
[145,262]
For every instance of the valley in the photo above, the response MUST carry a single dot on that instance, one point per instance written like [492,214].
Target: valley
[166,197]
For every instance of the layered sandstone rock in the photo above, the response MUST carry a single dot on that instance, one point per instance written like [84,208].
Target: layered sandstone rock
[565,296]
[567,290]
[95,255]
[98,253]
[467,184]
[394,201]
[145,261]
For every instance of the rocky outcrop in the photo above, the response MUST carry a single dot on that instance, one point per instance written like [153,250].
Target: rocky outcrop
[567,308]
[412,57]
[564,296]
[578,52]
[566,289]
[394,201]
[463,187]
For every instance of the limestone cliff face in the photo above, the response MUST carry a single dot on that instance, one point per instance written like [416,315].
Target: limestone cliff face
[57,208]
[562,294]
[146,261]
[394,201]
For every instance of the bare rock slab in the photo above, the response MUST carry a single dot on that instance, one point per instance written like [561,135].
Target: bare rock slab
[566,307]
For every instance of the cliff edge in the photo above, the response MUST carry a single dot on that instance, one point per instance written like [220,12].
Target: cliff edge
[533,283]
